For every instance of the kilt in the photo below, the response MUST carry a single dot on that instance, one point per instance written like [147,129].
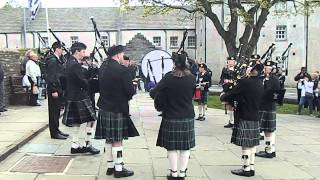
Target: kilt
[78,112]
[114,127]
[204,97]
[267,121]
[246,133]
[176,134]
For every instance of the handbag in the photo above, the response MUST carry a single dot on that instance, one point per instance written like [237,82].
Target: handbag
[35,90]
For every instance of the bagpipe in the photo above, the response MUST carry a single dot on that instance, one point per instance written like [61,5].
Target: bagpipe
[98,45]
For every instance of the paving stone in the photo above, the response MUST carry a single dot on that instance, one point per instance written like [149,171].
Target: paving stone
[135,142]
[40,148]
[223,173]
[300,158]
[216,158]
[297,140]
[137,156]
[280,170]
[312,170]
[65,177]
[17,176]
[209,143]
[85,165]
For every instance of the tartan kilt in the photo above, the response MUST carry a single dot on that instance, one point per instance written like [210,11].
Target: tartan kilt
[246,133]
[78,112]
[114,127]
[176,134]
[268,121]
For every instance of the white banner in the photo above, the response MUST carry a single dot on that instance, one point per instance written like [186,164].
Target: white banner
[34,6]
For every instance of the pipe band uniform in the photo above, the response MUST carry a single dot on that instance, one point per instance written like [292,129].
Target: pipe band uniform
[267,110]
[176,133]
[79,112]
[245,132]
[114,123]
[227,81]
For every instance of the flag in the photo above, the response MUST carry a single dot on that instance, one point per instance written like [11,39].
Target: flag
[34,6]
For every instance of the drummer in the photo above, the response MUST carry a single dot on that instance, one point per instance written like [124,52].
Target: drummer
[203,82]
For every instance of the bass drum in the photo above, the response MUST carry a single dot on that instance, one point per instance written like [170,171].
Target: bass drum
[160,62]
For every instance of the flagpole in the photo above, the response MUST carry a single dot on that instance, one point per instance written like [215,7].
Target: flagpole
[47,20]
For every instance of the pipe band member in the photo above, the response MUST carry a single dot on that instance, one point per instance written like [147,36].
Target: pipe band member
[245,133]
[226,80]
[79,112]
[203,82]
[176,134]
[114,123]
[267,110]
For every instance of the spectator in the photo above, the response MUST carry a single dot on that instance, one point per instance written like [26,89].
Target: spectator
[300,76]
[2,104]
[306,93]
[33,72]
[315,80]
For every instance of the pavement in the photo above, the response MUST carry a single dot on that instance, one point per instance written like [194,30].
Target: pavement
[42,158]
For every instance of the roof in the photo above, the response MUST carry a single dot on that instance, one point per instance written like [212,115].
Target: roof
[78,19]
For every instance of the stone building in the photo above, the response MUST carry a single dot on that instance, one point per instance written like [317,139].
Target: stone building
[116,27]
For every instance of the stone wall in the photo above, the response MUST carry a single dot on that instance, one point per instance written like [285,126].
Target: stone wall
[10,62]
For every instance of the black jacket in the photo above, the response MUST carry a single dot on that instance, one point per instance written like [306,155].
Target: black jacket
[247,93]
[204,78]
[271,88]
[115,87]
[77,84]
[54,74]
[300,76]
[178,92]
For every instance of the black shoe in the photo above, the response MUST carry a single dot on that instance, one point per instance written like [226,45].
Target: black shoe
[124,173]
[64,134]
[3,110]
[241,172]
[58,136]
[202,118]
[91,149]
[252,172]
[199,117]
[229,125]
[265,154]
[78,150]
[110,171]
[169,177]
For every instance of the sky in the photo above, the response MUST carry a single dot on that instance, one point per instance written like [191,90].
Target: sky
[67,3]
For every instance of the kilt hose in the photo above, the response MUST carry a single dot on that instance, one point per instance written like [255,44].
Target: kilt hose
[176,134]
[114,127]
[268,121]
[78,112]
[246,133]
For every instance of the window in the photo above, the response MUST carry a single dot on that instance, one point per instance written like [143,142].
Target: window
[173,41]
[105,40]
[74,39]
[191,41]
[45,43]
[281,33]
[200,40]
[157,41]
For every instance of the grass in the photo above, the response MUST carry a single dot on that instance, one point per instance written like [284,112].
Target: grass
[214,102]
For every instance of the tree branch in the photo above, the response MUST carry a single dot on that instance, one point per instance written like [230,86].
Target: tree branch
[178,7]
